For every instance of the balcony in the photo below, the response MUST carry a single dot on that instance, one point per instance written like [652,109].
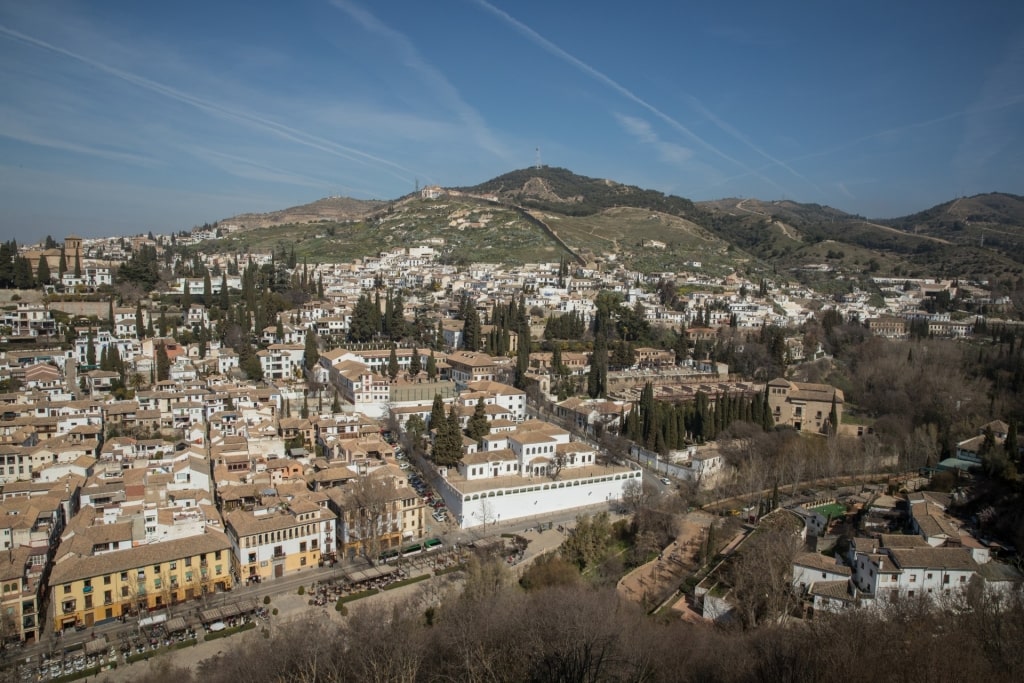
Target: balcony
[279,554]
[87,590]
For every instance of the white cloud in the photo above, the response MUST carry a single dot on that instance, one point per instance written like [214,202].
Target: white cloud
[641,130]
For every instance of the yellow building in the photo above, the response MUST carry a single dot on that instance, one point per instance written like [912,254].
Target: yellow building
[87,589]
[805,406]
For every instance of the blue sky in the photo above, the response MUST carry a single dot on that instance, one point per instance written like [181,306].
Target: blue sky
[120,117]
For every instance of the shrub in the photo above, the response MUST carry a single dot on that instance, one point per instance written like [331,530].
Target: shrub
[302,590]
[266,600]
[340,607]
[274,611]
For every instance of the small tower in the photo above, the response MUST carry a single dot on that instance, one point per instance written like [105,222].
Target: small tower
[72,247]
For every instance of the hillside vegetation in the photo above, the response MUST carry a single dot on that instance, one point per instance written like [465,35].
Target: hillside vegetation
[605,222]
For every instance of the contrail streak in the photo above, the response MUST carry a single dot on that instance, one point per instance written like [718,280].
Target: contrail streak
[543,42]
[281,130]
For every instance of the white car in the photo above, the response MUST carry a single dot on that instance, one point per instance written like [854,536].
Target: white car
[666,481]
[403,466]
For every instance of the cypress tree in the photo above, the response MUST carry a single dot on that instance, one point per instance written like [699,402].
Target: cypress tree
[479,426]
[43,271]
[431,367]
[311,355]
[225,299]
[415,364]
[139,322]
[436,412]
[207,289]
[90,351]
[393,362]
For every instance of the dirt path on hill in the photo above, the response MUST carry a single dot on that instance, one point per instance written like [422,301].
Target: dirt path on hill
[650,584]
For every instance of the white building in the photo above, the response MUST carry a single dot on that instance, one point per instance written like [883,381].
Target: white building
[534,470]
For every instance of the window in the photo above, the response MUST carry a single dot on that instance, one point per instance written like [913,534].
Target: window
[188,561]
[106,580]
[67,588]
[156,569]
[929,576]
[174,565]
[945,579]
[913,578]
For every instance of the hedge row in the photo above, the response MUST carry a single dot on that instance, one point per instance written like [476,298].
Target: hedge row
[230,631]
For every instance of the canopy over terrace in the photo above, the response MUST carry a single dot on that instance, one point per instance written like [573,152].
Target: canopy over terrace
[370,573]
[176,624]
[208,616]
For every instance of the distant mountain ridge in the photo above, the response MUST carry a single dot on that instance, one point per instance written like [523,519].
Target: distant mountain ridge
[603,220]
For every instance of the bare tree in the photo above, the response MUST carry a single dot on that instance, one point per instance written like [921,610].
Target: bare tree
[761,577]
[372,498]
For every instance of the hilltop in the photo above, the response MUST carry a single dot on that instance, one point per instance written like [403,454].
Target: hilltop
[327,209]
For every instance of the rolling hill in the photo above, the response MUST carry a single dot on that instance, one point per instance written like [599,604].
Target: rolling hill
[541,214]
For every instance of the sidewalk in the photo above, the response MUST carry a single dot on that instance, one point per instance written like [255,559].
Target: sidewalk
[291,606]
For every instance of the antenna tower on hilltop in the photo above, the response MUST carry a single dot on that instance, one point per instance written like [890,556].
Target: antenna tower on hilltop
[538,158]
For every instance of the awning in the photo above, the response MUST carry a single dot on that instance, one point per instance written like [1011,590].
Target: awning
[228,611]
[96,645]
[208,615]
[153,620]
[370,573]
[176,624]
